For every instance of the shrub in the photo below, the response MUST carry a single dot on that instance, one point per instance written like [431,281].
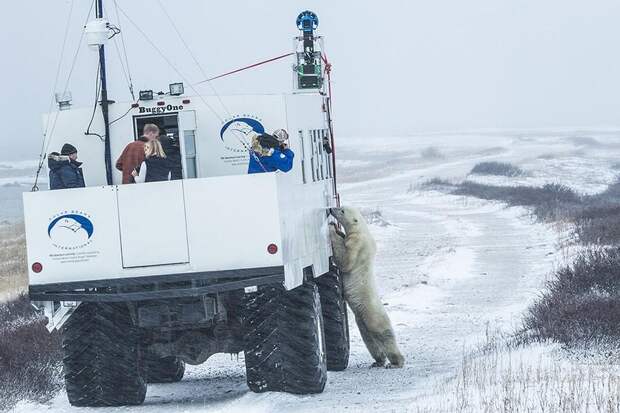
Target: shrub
[584,141]
[30,357]
[437,182]
[611,194]
[582,304]
[598,224]
[596,218]
[548,202]
[431,153]
[496,168]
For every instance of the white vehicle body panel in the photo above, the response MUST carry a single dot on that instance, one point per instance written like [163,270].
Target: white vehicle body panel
[218,218]
[152,224]
[62,259]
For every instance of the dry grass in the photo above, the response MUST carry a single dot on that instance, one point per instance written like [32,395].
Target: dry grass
[581,304]
[30,357]
[512,379]
[549,202]
[595,218]
[13,262]
[30,367]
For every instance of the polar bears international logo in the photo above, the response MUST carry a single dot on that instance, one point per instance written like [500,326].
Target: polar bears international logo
[71,230]
[237,133]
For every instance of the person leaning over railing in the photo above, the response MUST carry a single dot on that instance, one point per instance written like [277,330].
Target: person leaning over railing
[270,153]
[64,169]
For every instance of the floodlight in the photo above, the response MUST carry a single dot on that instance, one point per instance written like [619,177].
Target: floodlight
[64,100]
[146,95]
[176,89]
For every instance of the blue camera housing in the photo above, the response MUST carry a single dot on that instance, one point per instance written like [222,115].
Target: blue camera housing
[307,21]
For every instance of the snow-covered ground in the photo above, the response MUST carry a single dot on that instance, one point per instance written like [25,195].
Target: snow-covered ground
[450,269]
[16,177]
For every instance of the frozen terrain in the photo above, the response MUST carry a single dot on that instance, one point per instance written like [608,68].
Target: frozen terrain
[449,268]
[16,178]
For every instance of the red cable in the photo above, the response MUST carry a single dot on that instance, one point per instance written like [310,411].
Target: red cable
[247,67]
[328,71]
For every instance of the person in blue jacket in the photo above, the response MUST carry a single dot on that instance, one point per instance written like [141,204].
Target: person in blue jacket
[64,169]
[270,153]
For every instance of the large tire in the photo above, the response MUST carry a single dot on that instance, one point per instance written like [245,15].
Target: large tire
[284,340]
[335,319]
[163,369]
[102,363]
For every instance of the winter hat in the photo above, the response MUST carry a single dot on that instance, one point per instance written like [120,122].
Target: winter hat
[281,135]
[68,149]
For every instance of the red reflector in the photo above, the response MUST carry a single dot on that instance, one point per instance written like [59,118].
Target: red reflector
[135,105]
[186,101]
[272,249]
[37,267]
[161,103]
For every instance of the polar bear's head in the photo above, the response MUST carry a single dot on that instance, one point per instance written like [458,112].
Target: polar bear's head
[350,218]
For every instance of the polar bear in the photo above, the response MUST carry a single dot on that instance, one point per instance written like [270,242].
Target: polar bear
[354,254]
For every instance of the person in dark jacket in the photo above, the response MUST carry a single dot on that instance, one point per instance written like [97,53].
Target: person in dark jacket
[171,147]
[64,169]
[155,167]
[270,153]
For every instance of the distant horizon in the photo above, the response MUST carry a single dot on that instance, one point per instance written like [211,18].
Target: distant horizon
[481,131]
[399,68]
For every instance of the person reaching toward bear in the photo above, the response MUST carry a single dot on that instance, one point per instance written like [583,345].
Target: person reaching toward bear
[270,153]
[354,253]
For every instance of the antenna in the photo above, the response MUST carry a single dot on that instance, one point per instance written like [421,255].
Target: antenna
[105,104]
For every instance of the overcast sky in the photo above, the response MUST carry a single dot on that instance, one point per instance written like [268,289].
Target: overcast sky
[400,67]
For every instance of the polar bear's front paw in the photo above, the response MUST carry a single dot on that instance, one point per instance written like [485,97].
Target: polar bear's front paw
[397,361]
[378,364]
[336,231]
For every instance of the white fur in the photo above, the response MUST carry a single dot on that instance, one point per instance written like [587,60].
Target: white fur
[354,254]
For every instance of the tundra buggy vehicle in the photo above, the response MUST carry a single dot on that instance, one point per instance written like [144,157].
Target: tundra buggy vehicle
[143,278]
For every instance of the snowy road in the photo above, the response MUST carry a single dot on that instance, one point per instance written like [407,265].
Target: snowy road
[448,267]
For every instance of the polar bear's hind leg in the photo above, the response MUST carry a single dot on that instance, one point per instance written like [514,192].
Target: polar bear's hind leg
[373,346]
[391,349]
[381,333]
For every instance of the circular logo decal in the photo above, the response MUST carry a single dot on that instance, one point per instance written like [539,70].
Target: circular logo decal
[237,133]
[70,230]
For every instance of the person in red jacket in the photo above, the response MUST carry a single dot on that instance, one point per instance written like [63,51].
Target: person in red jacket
[133,154]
